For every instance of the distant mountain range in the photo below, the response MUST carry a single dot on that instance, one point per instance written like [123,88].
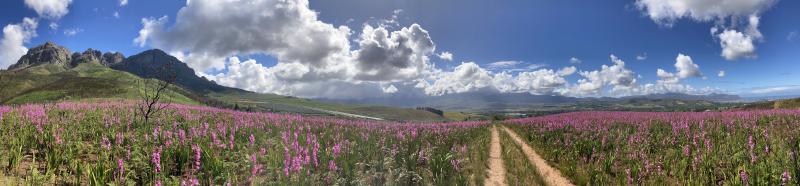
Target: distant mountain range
[493,101]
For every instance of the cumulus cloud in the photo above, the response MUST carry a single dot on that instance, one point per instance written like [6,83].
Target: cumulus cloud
[390,89]
[14,37]
[447,56]
[123,2]
[686,67]
[736,42]
[721,73]
[315,59]
[670,82]
[50,9]
[288,30]
[667,12]
[593,82]
[575,60]
[401,54]
[736,45]
[469,77]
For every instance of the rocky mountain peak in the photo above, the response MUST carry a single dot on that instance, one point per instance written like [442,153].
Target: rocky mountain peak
[49,53]
[113,58]
[88,56]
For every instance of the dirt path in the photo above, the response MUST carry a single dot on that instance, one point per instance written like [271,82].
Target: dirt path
[550,175]
[497,171]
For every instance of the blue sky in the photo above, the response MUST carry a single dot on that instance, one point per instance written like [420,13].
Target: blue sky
[545,34]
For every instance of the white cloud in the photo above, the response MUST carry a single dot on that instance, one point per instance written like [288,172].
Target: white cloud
[390,89]
[667,12]
[14,37]
[575,60]
[399,55]
[793,36]
[447,56]
[686,67]
[150,26]
[735,43]
[773,90]
[466,77]
[593,82]
[315,59]
[116,14]
[721,73]
[50,9]
[642,56]
[503,64]
[123,2]
[53,25]
[72,31]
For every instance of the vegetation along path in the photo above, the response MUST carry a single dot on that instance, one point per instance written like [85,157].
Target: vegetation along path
[497,172]
[550,175]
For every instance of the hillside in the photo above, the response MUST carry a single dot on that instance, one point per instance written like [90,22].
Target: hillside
[777,104]
[53,73]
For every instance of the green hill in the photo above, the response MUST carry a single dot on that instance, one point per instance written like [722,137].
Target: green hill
[48,73]
[777,104]
[47,83]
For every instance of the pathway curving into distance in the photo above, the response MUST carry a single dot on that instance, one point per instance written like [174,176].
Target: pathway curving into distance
[550,175]
[497,171]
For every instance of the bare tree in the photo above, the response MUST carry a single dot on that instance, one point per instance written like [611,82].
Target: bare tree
[153,91]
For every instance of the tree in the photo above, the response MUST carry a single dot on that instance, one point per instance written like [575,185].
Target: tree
[153,88]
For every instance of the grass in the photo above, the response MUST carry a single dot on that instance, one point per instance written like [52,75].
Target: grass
[77,143]
[49,83]
[727,148]
[278,102]
[518,170]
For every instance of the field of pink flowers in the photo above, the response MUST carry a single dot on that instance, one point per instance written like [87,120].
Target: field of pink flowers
[708,148]
[104,143]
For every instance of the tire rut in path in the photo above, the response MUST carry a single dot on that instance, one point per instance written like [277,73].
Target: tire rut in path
[550,175]
[497,171]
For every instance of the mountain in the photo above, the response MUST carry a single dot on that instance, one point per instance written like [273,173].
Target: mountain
[715,97]
[49,53]
[484,102]
[58,56]
[150,63]
[50,72]
[468,102]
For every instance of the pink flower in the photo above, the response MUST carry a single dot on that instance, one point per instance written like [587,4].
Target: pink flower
[106,144]
[785,177]
[156,159]
[332,165]
[197,156]
[252,139]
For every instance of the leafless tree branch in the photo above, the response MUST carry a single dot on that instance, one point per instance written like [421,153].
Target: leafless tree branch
[153,90]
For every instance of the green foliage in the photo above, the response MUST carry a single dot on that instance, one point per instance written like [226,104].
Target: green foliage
[80,144]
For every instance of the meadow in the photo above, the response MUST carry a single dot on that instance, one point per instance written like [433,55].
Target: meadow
[669,148]
[106,144]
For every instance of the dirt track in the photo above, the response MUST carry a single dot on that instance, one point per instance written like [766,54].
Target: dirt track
[497,171]
[550,175]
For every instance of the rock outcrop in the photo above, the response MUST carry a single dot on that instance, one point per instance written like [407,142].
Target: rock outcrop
[49,53]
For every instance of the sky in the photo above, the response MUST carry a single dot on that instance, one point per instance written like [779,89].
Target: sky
[367,48]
